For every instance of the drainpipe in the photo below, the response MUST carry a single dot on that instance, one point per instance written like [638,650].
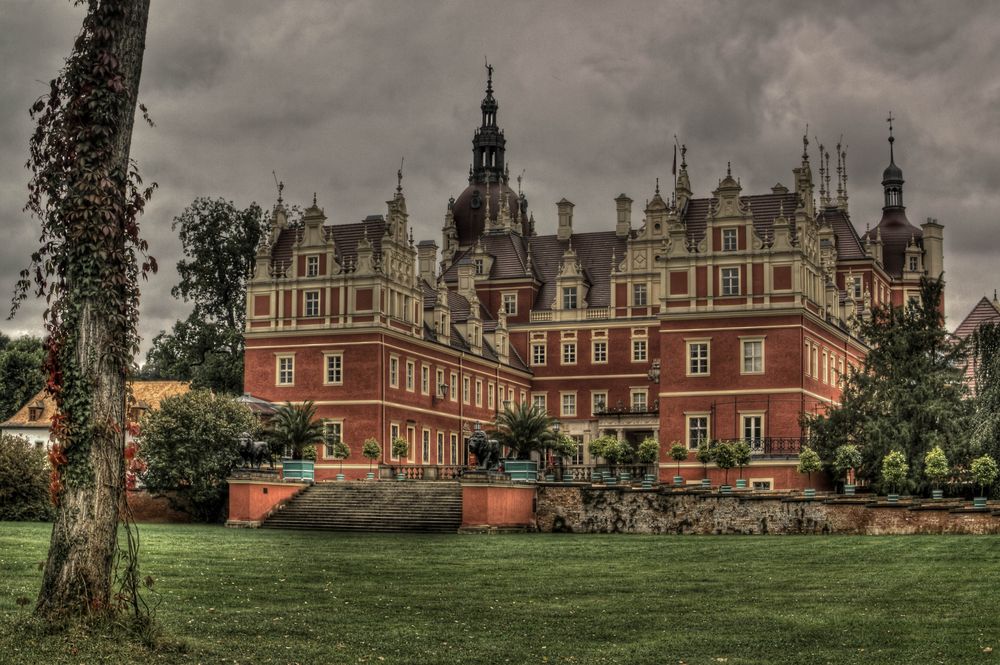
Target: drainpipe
[381,366]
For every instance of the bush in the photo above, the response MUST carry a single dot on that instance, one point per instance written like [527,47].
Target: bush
[190,447]
[936,466]
[24,481]
[371,451]
[649,451]
[563,446]
[741,449]
[845,458]
[725,458]
[984,472]
[809,462]
[400,449]
[894,469]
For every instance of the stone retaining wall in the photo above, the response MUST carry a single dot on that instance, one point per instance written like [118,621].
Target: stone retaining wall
[582,509]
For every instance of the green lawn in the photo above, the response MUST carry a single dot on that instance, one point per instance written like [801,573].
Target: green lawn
[250,596]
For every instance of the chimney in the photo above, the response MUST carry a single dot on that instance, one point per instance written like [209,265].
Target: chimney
[565,230]
[426,258]
[624,225]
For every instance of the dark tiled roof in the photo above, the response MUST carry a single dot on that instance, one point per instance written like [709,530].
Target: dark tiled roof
[896,232]
[984,312]
[510,258]
[763,207]
[593,251]
[849,245]
[345,237]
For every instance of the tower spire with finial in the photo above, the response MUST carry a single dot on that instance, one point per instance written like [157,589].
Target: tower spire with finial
[892,139]
[657,186]
[823,200]
[892,177]
[399,177]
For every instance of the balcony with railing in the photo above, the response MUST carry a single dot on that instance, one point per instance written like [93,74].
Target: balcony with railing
[773,447]
[621,410]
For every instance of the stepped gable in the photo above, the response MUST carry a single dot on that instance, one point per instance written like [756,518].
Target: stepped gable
[849,245]
[593,251]
[763,207]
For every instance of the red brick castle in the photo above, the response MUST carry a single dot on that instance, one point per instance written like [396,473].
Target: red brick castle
[722,317]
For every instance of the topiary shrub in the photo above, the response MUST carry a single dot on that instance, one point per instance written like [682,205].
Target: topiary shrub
[984,472]
[705,454]
[894,470]
[936,467]
[24,482]
[725,459]
[845,458]
[809,463]
[649,451]
[371,451]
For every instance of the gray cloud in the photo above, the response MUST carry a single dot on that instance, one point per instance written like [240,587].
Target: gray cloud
[331,95]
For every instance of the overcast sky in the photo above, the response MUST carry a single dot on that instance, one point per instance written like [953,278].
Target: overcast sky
[331,94]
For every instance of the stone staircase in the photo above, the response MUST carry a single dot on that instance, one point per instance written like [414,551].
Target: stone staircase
[422,507]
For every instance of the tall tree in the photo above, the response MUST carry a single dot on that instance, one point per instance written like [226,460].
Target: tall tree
[220,243]
[985,357]
[21,375]
[908,395]
[88,196]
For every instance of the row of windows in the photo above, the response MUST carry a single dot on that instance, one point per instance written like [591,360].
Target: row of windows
[638,401]
[823,364]
[598,352]
[698,431]
[698,354]
[453,454]
[400,305]
[640,296]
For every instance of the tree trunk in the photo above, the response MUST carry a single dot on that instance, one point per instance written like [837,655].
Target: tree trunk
[78,573]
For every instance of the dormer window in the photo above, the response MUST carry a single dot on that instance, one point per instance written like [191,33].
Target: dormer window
[479,266]
[857,286]
[913,264]
[569,297]
[639,292]
[35,411]
[312,266]
[728,240]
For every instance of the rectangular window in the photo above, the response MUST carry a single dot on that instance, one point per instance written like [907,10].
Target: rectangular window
[600,350]
[538,401]
[857,287]
[569,353]
[639,404]
[479,392]
[599,403]
[312,266]
[569,297]
[639,295]
[638,350]
[425,447]
[466,390]
[730,281]
[411,440]
[439,385]
[312,303]
[728,240]
[760,485]
[697,431]
[335,369]
[577,457]
[490,396]
[425,379]
[538,354]
[569,405]
[826,367]
[697,358]
[454,387]
[393,435]
[331,432]
[440,448]
[753,431]
[394,371]
[913,264]
[815,362]
[454,449]
[510,303]
[753,356]
[286,370]
[411,371]
[479,266]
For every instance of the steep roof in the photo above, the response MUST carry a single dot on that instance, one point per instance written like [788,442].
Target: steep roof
[345,238]
[985,311]
[849,245]
[593,251]
[764,208]
[147,394]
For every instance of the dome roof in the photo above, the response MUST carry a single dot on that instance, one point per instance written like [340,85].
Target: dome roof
[891,173]
[896,232]
[469,210]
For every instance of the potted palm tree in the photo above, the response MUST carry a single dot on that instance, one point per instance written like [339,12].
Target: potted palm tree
[400,449]
[706,453]
[294,428]
[845,458]
[725,459]
[984,473]
[894,470]
[341,451]
[523,428]
[678,453]
[371,451]
[742,451]
[936,469]
[648,454]
[809,463]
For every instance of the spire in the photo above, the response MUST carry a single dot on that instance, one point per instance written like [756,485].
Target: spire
[488,143]
[826,171]
[823,200]
[892,177]
[842,189]
[657,186]
[399,178]
[805,147]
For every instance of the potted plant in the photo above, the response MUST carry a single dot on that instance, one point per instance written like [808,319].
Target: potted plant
[809,463]
[400,449]
[936,469]
[616,452]
[371,451]
[742,451]
[984,473]
[705,454]
[678,453]
[894,470]
[562,446]
[602,447]
[845,458]
[725,459]
[341,451]
[648,454]
[295,428]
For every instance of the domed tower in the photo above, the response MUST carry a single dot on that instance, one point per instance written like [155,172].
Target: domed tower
[895,229]
[479,208]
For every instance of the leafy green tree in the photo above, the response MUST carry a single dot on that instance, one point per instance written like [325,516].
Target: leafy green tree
[984,472]
[295,426]
[705,455]
[809,463]
[400,449]
[190,446]
[894,470]
[743,454]
[220,243]
[524,428]
[725,459]
[21,375]
[24,481]
[936,467]
[845,458]
[985,357]
[648,451]
[371,451]
[563,445]
[909,394]
[678,453]
[341,450]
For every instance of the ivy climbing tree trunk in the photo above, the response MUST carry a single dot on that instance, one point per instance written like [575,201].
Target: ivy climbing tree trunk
[85,191]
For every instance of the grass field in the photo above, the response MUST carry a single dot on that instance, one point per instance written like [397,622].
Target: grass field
[288,597]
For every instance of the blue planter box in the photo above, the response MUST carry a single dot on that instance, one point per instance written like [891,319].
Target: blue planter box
[523,470]
[741,483]
[298,469]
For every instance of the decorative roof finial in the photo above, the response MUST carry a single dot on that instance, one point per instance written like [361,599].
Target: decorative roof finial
[399,177]
[657,186]
[519,183]
[826,170]
[805,145]
[489,75]
[684,152]
[822,179]
[729,169]
[314,199]
[891,138]
[279,185]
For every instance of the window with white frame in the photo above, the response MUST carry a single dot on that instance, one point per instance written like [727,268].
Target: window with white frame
[538,401]
[425,379]
[728,240]
[639,295]
[568,405]
[524,395]
[454,449]
[479,266]
[393,435]
[638,350]
[753,430]
[599,402]
[600,351]
[510,303]
[411,371]
[826,367]
[569,353]
[490,396]
[439,385]
[697,353]
[286,370]
[857,287]
[730,281]
[440,447]
[753,356]
[453,391]
[425,447]
[569,297]
[538,354]
[394,371]
[331,433]
[815,362]
[479,392]
[312,303]
[697,431]
[334,368]
[466,389]
[312,266]
[913,264]
[639,403]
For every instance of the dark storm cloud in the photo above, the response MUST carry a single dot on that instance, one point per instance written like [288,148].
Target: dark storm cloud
[331,95]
